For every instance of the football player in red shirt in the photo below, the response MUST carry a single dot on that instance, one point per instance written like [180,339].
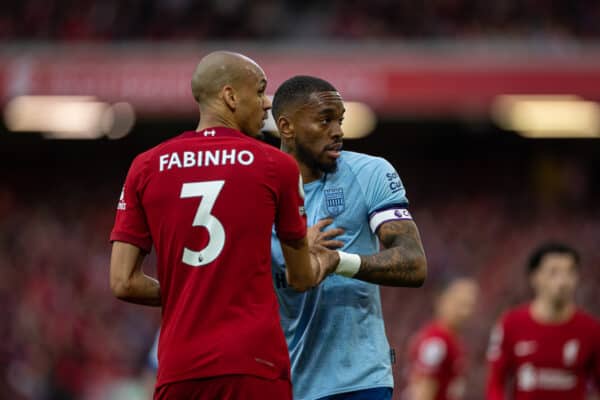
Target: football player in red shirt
[207,200]
[437,359]
[547,349]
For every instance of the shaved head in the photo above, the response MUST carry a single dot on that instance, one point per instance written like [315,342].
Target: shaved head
[230,91]
[219,69]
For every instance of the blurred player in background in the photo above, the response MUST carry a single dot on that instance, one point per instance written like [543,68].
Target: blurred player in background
[547,349]
[437,357]
[208,200]
[335,332]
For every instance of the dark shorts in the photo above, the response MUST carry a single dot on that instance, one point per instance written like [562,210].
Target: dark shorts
[367,394]
[230,387]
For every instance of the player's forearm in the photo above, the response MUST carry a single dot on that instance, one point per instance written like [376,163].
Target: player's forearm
[402,263]
[394,267]
[139,288]
[301,270]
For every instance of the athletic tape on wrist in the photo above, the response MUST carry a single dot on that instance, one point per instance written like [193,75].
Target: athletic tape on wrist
[349,264]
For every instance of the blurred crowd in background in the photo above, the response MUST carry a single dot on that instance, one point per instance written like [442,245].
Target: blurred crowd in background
[64,336]
[111,20]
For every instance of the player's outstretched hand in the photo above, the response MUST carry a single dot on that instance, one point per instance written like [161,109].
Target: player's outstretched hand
[325,260]
[317,236]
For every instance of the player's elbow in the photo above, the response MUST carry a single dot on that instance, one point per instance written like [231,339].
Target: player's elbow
[300,284]
[419,271]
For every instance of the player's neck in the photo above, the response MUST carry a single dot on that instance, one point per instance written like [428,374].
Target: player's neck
[213,120]
[448,323]
[308,174]
[545,311]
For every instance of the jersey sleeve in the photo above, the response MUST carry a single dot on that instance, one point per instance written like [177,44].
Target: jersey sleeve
[384,192]
[130,222]
[498,356]
[290,216]
[430,357]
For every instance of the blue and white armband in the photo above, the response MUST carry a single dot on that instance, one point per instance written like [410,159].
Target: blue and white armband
[391,214]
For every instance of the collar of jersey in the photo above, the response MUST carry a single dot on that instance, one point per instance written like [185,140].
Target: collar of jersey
[220,131]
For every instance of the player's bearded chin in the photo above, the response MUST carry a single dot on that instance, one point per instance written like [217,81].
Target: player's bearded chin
[311,161]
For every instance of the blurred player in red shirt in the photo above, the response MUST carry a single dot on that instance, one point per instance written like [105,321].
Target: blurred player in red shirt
[547,349]
[437,359]
[207,200]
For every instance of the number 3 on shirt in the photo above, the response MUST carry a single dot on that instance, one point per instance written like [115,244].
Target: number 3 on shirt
[209,191]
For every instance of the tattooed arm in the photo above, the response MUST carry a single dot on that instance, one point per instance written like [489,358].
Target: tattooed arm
[402,262]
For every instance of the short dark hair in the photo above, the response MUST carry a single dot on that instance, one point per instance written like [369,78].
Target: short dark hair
[298,89]
[550,248]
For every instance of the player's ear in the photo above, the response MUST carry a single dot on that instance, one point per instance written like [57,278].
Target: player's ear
[229,97]
[533,280]
[285,127]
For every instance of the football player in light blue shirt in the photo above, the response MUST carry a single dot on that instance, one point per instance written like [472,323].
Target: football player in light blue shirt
[335,332]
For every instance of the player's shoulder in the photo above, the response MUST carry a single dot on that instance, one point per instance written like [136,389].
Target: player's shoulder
[516,315]
[433,330]
[431,344]
[585,319]
[363,166]
[357,161]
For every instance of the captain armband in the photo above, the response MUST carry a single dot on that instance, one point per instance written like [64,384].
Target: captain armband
[391,214]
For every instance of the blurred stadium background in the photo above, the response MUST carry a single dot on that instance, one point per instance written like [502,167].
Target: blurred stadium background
[487,109]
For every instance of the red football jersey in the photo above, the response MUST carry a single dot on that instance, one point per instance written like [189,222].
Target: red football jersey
[544,361]
[208,201]
[436,352]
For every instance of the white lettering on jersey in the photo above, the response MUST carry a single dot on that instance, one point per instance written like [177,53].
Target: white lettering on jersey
[174,160]
[188,159]
[530,378]
[209,132]
[245,157]
[228,157]
[204,159]
[570,350]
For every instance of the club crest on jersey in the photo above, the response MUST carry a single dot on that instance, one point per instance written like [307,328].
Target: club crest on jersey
[334,201]
[570,350]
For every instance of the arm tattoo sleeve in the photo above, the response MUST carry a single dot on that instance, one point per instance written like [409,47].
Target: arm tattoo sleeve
[402,261]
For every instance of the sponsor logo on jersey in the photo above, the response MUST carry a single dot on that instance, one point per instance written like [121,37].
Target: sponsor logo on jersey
[530,378]
[334,201]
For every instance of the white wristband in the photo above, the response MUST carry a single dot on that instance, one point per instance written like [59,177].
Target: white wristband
[349,264]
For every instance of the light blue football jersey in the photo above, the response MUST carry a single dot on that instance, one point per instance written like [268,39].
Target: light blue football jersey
[335,332]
